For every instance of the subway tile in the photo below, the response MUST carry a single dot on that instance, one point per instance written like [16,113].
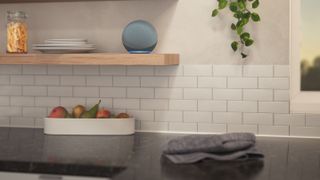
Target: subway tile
[39,123]
[169,93]
[197,70]
[242,128]
[113,70]
[258,94]
[142,115]
[40,112]
[258,70]
[183,127]
[21,80]
[274,83]
[236,82]
[22,101]
[212,128]
[290,119]
[4,100]
[10,90]
[47,80]
[305,131]
[281,95]
[10,69]
[154,82]
[242,106]
[227,94]
[197,93]
[4,80]
[34,90]
[212,82]
[47,101]
[281,71]
[112,92]
[212,105]
[258,118]
[86,92]
[140,92]
[60,91]
[170,116]
[86,70]
[169,71]
[99,80]
[4,122]
[274,130]
[73,80]
[274,107]
[183,82]
[227,70]
[26,122]
[140,71]
[227,117]
[201,117]
[154,126]
[60,70]
[9,111]
[34,69]
[71,102]
[183,105]
[154,104]
[105,102]
[122,81]
[126,103]
[313,120]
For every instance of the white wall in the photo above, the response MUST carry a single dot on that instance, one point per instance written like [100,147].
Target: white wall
[184,26]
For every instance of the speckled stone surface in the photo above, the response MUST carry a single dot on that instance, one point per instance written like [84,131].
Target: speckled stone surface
[139,157]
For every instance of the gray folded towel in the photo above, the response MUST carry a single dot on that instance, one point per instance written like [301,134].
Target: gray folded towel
[194,148]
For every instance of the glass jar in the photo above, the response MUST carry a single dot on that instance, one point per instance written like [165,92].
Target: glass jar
[17,32]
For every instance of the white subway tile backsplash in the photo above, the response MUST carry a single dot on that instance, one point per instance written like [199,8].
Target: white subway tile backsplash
[227,94]
[242,106]
[212,82]
[142,115]
[123,81]
[154,82]
[154,104]
[281,95]
[274,130]
[60,70]
[60,91]
[10,90]
[86,70]
[113,70]
[258,94]
[86,91]
[21,80]
[183,82]
[258,118]
[98,80]
[227,117]
[281,71]
[197,93]
[10,111]
[305,131]
[274,83]
[258,70]
[71,102]
[313,120]
[188,105]
[47,101]
[73,80]
[34,90]
[113,92]
[212,105]
[183,127]
[126,103]
[22,101]
[140,92]
[34,69]
[243,128]
[201,117]
[26,122]
[4,122]
[238,82]
[140,71]
[39,112]
[198,70]
[169,116]
[290,119]
[105,102]
[154,126]
[10,69]
[212,128]
[4,80]
[169,71]
[169,93]
[227,70]
[47,80]
[4,100]
[274,107]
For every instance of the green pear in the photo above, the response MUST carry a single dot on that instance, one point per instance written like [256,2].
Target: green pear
[92,113]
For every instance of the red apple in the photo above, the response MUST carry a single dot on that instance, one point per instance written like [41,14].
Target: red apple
[59,112]
[103,113]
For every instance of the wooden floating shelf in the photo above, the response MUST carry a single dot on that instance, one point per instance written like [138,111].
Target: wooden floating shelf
[92,59]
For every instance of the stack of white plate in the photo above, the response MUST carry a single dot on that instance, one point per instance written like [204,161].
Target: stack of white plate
[55,46]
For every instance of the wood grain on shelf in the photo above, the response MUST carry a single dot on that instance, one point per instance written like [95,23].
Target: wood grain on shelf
[91,59]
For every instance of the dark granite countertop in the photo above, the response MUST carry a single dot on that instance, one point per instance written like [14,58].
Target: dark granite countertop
[138,157]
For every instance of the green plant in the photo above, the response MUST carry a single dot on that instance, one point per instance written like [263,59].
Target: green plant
[243,12]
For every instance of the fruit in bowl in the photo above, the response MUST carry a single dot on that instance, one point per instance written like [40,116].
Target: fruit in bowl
[103,113]
[59,112]
[78,111]
[122,115]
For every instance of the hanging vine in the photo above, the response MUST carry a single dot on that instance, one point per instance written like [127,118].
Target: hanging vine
[243,12]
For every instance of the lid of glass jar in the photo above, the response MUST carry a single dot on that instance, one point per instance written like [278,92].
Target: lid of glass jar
[16,14]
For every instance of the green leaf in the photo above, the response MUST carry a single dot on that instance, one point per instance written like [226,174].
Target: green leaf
[248,42]
[233,7]
[242,5]
[222,4]
[215,13]
[255,4]
[239,30]
[245,35]
[234,46]
[255,17]
[247,15]
[244,55]
[233,26]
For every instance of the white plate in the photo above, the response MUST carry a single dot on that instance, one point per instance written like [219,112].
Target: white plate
[68,40]
[65,45]
[62,50]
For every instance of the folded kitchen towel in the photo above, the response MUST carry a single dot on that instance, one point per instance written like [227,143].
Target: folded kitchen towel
[194,148]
